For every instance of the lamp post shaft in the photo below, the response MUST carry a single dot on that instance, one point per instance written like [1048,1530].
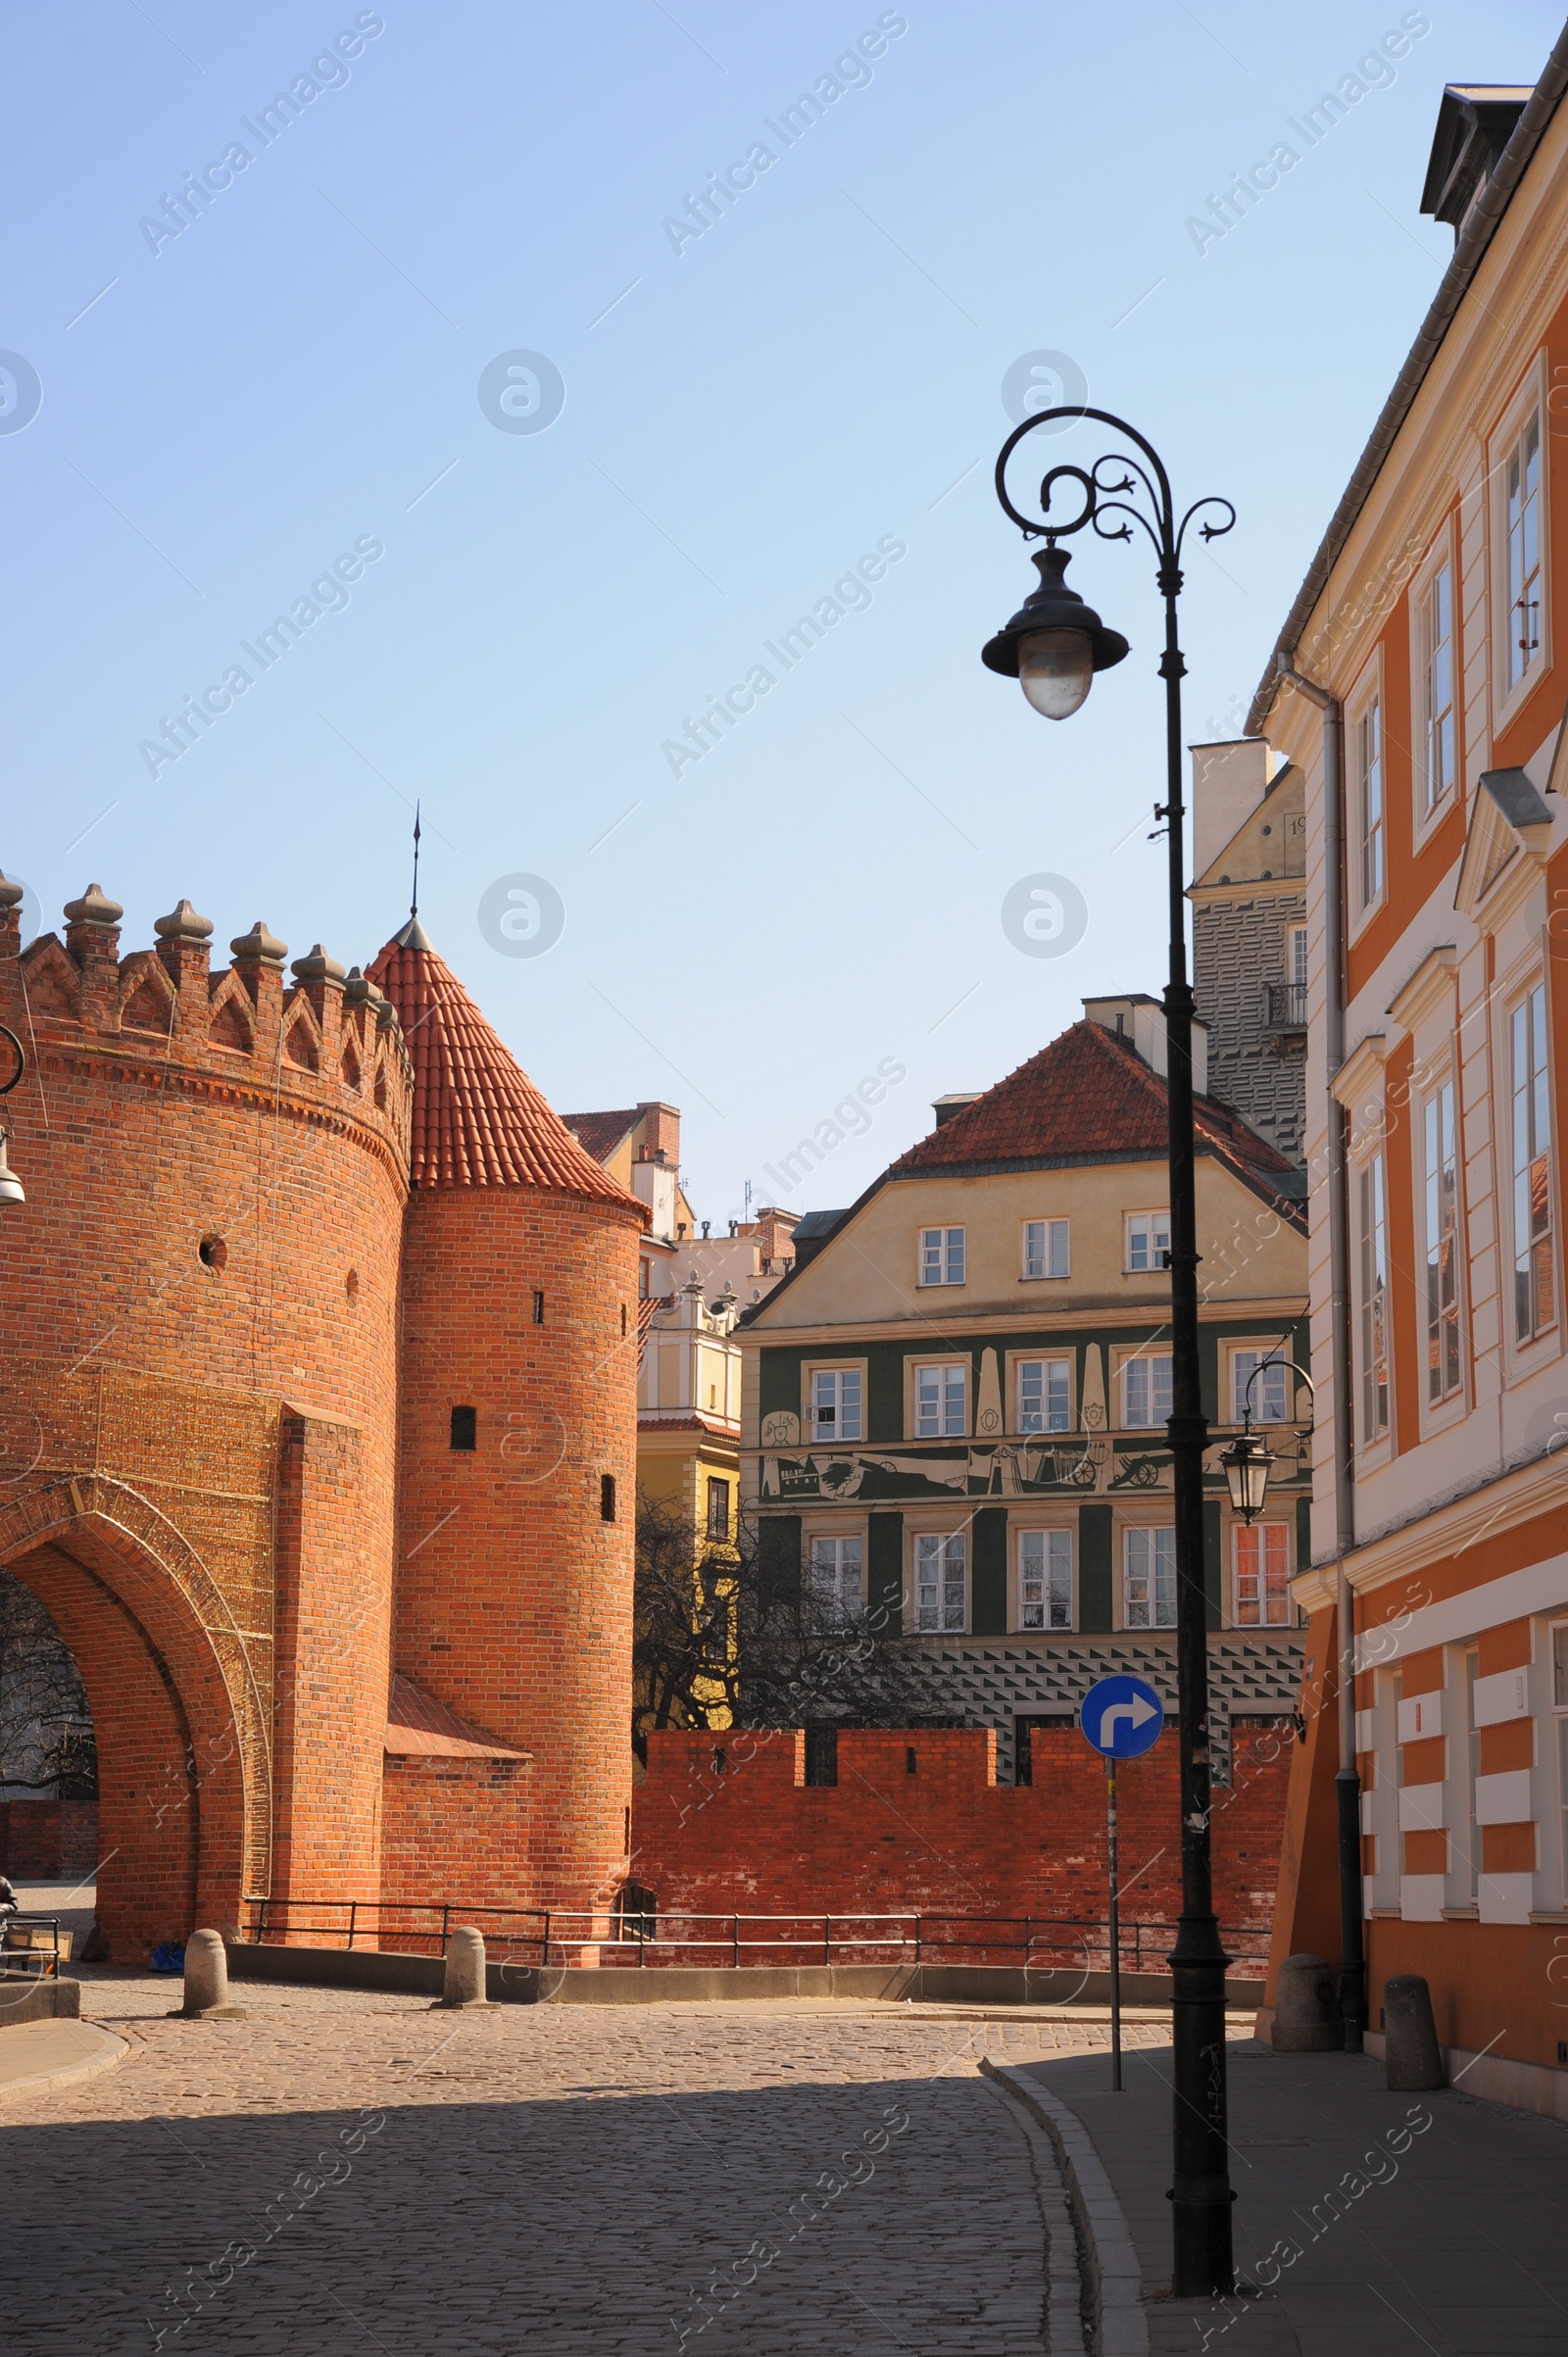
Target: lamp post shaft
[1200,2195]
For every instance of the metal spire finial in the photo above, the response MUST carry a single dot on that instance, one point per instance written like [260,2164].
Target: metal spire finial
[413,905]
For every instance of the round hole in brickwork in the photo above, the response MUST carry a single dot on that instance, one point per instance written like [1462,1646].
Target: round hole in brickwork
[351,1286]
[213,1251]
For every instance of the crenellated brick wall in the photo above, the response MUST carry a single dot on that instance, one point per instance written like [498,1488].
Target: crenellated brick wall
[944,1836]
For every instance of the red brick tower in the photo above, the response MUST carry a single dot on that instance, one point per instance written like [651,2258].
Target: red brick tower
[197,1379]
[517,1440]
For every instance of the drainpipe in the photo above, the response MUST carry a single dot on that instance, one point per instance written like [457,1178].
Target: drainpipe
[1347,1784]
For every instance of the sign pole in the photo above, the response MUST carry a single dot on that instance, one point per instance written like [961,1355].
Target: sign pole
[1116,1924]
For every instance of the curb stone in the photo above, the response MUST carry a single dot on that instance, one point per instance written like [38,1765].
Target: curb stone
[1115,2279]
[1064,2273]
[95,2048]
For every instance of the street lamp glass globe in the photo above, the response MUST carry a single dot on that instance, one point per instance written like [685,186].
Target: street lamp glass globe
[1248,1464]
[1054,670]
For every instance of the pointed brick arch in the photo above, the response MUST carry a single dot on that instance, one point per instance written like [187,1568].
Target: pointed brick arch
[182,1724]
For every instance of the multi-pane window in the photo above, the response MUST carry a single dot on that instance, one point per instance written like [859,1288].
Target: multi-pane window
[1149,1579]
[942,1256]
[1370,797]
[1044,1579]
[1045,1248]
[939,1582]
[1522,526]
[1374,1238]
[1263,1575]
[1148,1240]
[719,1509]
[1442,1246]
[837,1589]
[1268,1374]
[1559,1697]
[938,1401]
[1436,626]
[1045,1395]
[1146,1390]
[1533,1292]
[835,1403]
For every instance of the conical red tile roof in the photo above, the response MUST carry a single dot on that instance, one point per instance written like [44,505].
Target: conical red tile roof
[478,1120]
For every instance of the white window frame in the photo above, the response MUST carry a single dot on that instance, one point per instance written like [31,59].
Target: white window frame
[939,1582]
[1510,691]
[1266,1538]
[1274,1388]
[1366,751]
[1145,1243]
[1434,785]
[1441,1224]
[1055,1391]
[1149,1361]
[1045,1250]
[1045,1582]
[1149,1566]
[1373,1303]
[945,1368]
[836,1576]
[837,1375]
[942,1256]
[1532,1106]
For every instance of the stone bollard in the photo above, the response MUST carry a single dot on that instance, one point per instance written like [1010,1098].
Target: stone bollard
[463,1981]
[1307,2010]
[207,1980]
[1411,2054]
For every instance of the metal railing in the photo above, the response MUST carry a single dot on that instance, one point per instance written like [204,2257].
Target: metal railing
[25,1956]
[1286,1005]
[648,1936]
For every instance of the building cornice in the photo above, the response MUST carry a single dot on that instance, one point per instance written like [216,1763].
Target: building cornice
[1444,1533]
[1283,1309]
[1249,888]
[1424,993]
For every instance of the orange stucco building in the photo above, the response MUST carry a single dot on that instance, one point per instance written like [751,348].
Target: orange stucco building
[1420,682]
[317,1377]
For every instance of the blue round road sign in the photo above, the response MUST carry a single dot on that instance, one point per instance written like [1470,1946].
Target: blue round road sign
[1121,1716]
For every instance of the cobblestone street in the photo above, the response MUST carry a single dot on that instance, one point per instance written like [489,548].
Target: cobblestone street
[355,2171]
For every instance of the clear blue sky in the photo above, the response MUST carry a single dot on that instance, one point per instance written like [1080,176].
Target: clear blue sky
[757,412]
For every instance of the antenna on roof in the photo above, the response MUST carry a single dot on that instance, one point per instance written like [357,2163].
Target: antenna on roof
[413,905]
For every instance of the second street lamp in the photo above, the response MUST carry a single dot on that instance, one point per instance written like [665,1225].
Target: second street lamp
[1119,493]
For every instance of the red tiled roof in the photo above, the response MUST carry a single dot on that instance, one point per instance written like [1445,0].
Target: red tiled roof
[478,1120]
[1088,1096]
[600,1133]
[647,1310]
[418,1726]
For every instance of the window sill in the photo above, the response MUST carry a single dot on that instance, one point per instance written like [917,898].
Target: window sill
[1548,1915]
[1471,1914]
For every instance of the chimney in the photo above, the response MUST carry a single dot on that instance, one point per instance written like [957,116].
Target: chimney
[661,1132]
[1140,1020]
[944,1108]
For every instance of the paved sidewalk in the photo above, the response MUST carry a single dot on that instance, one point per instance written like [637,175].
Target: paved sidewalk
[1382,2223]
[37,2055]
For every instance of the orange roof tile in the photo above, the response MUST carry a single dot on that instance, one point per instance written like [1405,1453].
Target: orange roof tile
[1087,1097]
[478,1120]
[419,1726]
[600,1133]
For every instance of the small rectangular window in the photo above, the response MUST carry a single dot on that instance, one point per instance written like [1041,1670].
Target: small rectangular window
[942,1256]
[1533,1288]
[1146,1390]
[835,1403]
[1148,1241]
[465,1432]
[1268,1375]
[837,1581]
[1369,787]
[1522,527]
[1149,1579]
[1442,1246]
[940,1402]
[1436,624]
[1374,1245]
[940,1598]
[1044,1579]
[821,1754]
[607,1497]
[719,1509]
[1046,1248]
[1263,1575]
[538,1308]
[1045,1395]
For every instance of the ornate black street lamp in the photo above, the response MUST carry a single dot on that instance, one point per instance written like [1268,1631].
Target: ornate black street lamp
[1054,646]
